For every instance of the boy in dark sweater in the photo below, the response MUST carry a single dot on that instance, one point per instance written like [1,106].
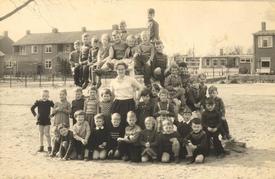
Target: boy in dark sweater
[211,120]
[77,103]
[202,88]
[193,97]
[196,142]
[144,108]
[99,138]
[67,143]
[116,131]
[153,26]
[84,59]
[44,106]
[74,62]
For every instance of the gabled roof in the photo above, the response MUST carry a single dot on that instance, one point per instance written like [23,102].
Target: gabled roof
[266,32]
[63,37]
[2,54]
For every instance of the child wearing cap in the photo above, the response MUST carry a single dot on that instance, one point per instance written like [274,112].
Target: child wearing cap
[74,62]
[153,26]
[219,106]
[211,120]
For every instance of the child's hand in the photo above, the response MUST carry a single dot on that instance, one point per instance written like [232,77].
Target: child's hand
[83,141]
[173,139]
[111,152]
[214,129]
[76,64]
[37,116]
[197,105]
[120,139]
[147,144]
[135,55]
[149,62]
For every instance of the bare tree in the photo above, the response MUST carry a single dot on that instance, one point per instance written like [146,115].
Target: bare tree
[15,10]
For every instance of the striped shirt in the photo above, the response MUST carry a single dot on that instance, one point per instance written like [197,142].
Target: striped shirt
[91,106]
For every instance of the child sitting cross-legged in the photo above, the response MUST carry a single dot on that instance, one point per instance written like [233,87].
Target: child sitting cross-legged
[128,145]
[67,144]
[196,143]
[148,140]
[99,138]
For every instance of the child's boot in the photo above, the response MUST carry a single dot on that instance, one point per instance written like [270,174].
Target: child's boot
[41,149]
[177,159]
[49,150]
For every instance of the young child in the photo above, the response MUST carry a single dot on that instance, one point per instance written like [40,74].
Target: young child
[163,107]
[131,53]
[146,52]
[99,138]
[105,106]
[92,58]
[103,52]
[169,143]
[77,103]
[74,62]
[123,31]
[84,59]
[61,112]
[211,120]
[193,100]
[148,140]
[144,108]
[43,106]
[116,131]
[202,87]
[183,122]
[67,144]
[57,141]
[159,63]
[128,145]
[91,106]
[185,76]
[219,106]
[81,133]
[196,146]
[153,26]
[155,93]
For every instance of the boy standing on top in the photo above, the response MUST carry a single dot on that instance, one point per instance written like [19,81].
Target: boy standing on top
[74,61]
[153,26]
[84,60]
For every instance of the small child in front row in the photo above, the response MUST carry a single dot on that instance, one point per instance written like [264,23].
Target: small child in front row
[67,144]
[128,145]
[196,146]
[91,106]
[169,143]
[148,140]
[105,105]
[43,118]
[116,131]
[81,132]
[99,138]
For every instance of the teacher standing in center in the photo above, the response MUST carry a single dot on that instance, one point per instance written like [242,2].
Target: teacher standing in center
[124,89]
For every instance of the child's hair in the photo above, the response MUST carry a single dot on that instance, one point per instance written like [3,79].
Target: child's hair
[115,32]
[121,63]
[122,23]
[209,101]
[145,32]
[151,11]
[156,87]
[78,89]
[106,35]
[163,91]
[130,37]
[131,113]
[93,88]
[145,92]
[166,122]
[150,118]
[64,91]
[116,115]
[211,89]
[115,27]
[106,91]
[196,121]
[202,75]
[158,42]
[84,35]
[79,113]
[174,65]
[77,42]
[185,110]
[94,39]
[99,116]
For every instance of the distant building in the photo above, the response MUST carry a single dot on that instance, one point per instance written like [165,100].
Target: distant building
[5,53]
[264,51]
[44,51]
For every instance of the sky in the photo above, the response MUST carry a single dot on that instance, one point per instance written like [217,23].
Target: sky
[205,26]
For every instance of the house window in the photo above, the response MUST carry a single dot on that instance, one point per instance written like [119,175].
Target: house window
[48,48]
[242,60]
[34,49]
[265,62]
[22,50]
[215,62]
[265,42]
[223,62]
[207,62]
[48,64]
[67,48]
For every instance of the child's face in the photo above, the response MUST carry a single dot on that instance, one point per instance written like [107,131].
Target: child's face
[86,40]
[154,92]
[94,42]
[45,96]
[183,70]
[196,127]
[63,131]
[213,94]
[196,86]
[168,128]
[150,16]
[145,37]
[210,107]
[99,122]
[105,40]
[163,97]
[80,119]
[76,47]
[202,79]
[159,48]
[131,42]
[146,99]
[187,116]
[149,124]
[106,97]
[62,96]
[116,38]
[121,70]
[174,71]
[92,94]
[131,120]
[122,26]
[116,121]
[78,94]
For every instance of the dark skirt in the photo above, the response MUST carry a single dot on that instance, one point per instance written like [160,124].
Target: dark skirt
[123,107]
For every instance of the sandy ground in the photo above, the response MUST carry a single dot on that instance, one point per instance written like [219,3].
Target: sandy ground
[250,112]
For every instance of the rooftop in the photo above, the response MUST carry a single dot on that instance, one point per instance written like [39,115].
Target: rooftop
[266,32]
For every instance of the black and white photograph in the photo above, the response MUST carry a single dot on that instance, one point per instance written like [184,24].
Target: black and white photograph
[137,89]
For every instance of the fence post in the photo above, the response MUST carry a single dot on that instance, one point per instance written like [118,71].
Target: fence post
[39,79]
[52,79]
[10,79]
[25,80]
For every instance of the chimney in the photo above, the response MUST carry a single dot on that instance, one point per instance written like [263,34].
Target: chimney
[6,33]
[263,26]
[54,30]
[221,52]
[83,29]
[28,32]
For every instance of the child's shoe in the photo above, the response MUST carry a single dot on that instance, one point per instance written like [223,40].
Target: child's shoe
[41,149]
[220,156]
[49,150]
[177,160]
[125,158]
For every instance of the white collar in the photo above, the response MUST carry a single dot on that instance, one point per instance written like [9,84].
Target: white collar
[97,128]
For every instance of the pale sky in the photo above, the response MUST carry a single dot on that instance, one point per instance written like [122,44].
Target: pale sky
[206,25]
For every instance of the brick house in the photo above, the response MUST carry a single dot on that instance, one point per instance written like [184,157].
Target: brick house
[5,53]
[44,51]
[264,51]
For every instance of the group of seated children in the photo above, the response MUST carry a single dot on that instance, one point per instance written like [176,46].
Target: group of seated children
[141,52]
[163,127]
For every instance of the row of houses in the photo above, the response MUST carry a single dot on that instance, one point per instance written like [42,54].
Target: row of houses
[45,52]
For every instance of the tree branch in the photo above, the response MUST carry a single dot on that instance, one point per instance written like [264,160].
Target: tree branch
[15,10]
